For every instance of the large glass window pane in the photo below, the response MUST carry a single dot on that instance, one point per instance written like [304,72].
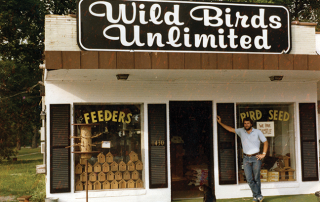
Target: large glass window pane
[277,124]
[117,139]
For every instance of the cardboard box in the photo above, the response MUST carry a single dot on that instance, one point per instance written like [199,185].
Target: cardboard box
[273,173]
[264,180]
[273,180]
[264,175]
[264,171]
[273,177]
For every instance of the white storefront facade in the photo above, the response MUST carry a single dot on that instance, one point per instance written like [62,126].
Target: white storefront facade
[180,88]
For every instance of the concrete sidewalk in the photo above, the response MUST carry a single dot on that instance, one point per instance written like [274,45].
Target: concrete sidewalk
[295,198]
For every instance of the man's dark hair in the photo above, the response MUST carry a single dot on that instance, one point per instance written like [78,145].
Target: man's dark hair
[247,119]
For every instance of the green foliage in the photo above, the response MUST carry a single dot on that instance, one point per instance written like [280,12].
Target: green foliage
[61,7]
[19,106]
[22,35]
[21,52]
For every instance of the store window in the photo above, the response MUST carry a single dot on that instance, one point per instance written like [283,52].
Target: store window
[116,132]
[277,124]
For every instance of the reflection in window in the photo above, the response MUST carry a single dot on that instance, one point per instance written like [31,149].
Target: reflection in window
[276,123]
[118,163]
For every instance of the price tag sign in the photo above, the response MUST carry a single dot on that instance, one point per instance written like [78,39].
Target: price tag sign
[106,144]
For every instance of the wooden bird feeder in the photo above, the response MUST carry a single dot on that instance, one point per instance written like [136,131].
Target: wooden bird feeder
[89,186]
[126,175]
[79,186]
[131,184]
[105,167]
[83,177]
[110,176]
[114,166]
[135,175]
[85,140]
[97,167]
[286,161]
[86,152]
[122,166]
[122,184]
[101,158]
[109,158]
[106,185]
[89,168]
[102,177]
[283,175]
[83,161]
[139,165]
[97,185]
[290,174]
[78,170]
[139,183]
[131,166]
[118,175]
[133,156]
[114,184]
[92,177]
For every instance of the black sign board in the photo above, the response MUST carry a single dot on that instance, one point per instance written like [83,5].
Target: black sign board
[182,26]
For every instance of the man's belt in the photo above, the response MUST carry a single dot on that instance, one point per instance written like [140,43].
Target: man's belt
[249,155]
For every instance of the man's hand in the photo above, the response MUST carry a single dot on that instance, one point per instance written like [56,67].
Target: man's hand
[228,128]
[219,119]
[260,156]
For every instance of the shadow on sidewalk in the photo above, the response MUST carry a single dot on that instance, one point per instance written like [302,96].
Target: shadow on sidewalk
[294,198]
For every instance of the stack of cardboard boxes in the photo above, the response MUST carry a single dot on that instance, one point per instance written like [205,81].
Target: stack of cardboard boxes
[264,175]
[273,176]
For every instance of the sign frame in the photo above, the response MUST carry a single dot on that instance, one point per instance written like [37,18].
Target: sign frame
[270,128]
[288,42]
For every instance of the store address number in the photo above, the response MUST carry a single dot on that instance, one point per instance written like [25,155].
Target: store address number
[158,143]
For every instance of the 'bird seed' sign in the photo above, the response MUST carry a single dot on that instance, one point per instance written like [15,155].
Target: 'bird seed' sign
[179,26]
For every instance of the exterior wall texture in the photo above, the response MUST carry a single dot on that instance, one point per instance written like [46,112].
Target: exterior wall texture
[163,92]
[61,38]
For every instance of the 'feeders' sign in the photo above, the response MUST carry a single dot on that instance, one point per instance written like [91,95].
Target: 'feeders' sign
[178,26]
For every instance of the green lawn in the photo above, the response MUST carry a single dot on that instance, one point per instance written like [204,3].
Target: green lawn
[19,177]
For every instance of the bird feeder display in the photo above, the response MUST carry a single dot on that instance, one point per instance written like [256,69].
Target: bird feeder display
[122,166]
[101,158]
[111,148]
[97,167]
[122,184]
[131,166]
[106,185]
[79,186]
[105,167]
[102,177]
[131,184]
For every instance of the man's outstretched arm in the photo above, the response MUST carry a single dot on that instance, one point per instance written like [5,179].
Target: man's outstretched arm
[228,128]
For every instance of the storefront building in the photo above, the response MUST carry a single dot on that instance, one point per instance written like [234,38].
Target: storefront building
[153,116]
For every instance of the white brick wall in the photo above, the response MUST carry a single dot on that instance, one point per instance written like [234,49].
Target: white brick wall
[303,39]
[318,43]
[61,35]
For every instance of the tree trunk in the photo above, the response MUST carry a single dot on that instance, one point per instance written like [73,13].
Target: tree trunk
[18,138]
[34,138]
[18,143]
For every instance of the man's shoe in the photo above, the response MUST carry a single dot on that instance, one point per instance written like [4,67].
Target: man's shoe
[255,199]
[260,199]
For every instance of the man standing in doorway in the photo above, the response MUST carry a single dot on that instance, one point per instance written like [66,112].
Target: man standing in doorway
[250,139]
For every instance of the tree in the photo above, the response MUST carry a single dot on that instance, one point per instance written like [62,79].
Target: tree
[21,53]
[19,111]
[61,7]
[21,50]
